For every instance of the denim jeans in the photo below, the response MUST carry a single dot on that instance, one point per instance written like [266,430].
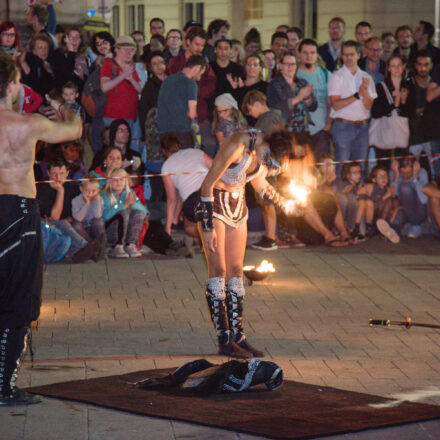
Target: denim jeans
[351,143]
[435,148]
[66,228]
[89,230]
[415,211]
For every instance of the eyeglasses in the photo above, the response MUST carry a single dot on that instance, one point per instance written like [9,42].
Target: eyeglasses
[98,44]
[74,38]
[289,64]
[253,65]
[8,34]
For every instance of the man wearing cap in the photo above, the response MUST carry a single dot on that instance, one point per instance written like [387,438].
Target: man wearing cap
[121,82]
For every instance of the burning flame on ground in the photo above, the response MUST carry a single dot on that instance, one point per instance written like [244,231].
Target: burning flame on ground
[299,192]
[264,266]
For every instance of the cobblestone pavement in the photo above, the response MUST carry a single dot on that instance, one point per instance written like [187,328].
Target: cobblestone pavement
[119,316]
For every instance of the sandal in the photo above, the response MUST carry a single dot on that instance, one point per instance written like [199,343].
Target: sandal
[337,242]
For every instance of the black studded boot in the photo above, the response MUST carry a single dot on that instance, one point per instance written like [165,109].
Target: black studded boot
[215,297]
[234,303]
[13,343]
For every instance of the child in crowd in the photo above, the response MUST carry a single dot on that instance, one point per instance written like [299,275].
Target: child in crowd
[346,189]
[227,118]
[87,209]
[72,153]
[123,214]
[70,94]
[112,160]
[377,203]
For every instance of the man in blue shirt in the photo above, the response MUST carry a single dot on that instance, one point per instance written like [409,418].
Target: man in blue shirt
[177,101]
[372,63]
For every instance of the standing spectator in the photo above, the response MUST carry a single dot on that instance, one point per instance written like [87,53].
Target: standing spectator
[404,39]
[270,64]
[157,27]
[103,46]
[237,52]
[372,63]
[417,141]
[388,45]
[174,44]
[278,45]
[317,76]
[157,43]
[9,39]
[409,180]
[294,36]
[403,94]
[253,69]
[292,95]
[423,34]
[37,70]
[331,50]
[252,41]
[70,61]
[177,101]
[139,38]
[362,33]
[55,200]
[351,92]
[431,118]
[37,19]
[224,68]
[217,29]
[150,92]
[195,42]
[122,84]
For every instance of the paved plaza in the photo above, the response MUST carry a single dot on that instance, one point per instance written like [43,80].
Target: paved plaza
[311,318]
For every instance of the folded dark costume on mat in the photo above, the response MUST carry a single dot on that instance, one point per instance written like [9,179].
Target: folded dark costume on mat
[203,377]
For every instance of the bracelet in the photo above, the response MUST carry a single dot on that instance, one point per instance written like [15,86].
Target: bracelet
[206,199]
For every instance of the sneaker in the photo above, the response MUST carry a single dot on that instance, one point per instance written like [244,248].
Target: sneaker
[415,231]
[265,244]
[387,231]
[132,250]
[118,252]
[359,238]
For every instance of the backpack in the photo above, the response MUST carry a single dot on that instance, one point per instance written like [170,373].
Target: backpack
[93,99]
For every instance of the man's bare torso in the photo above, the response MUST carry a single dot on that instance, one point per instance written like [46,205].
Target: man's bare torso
[17,154]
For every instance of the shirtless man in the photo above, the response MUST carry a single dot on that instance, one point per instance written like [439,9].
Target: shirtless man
[21,250]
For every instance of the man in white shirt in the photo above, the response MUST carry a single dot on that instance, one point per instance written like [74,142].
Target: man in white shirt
[351,92]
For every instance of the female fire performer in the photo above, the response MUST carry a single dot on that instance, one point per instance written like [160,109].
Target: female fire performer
[221,215]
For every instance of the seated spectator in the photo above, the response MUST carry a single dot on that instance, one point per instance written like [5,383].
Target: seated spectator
[378,206]
[432,191]
[346,189]
[87,209]
[123,214]
[55,199]
[327,175]
[227,117]
[409,179]
[188,168]
[72,153]
[112,159]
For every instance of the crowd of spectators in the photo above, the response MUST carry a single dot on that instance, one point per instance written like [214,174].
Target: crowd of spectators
[167,104]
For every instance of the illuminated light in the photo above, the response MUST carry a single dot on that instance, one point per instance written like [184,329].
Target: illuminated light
[264,266]
[299,192]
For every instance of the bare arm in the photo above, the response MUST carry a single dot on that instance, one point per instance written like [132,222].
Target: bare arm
[54,132]
[433,92]
[339,103]
[57,208]
[171,193]
[192,109]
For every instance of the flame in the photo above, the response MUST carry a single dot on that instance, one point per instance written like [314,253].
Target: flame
[299,192]
[264,266]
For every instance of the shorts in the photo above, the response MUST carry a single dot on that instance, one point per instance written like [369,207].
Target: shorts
[189,206]
[230,207]
[21,261]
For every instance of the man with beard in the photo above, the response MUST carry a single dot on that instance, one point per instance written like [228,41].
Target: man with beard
[404,38]
[319,120]
[331,50]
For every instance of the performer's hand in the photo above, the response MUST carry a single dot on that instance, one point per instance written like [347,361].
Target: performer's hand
[210,241]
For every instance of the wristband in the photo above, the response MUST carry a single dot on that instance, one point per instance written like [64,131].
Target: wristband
[206,199]
[356,95]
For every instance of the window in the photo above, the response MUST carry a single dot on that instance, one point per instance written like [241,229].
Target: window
[253,9]
[194,11]
[131,18]
[141,18]
[115,22]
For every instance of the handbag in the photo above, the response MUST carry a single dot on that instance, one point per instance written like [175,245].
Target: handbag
[389,132]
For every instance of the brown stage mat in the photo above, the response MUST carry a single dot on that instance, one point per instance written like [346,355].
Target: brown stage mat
[294,411]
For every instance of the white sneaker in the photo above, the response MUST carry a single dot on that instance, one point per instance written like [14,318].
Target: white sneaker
[132,250]
[118,252]
[387,231]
